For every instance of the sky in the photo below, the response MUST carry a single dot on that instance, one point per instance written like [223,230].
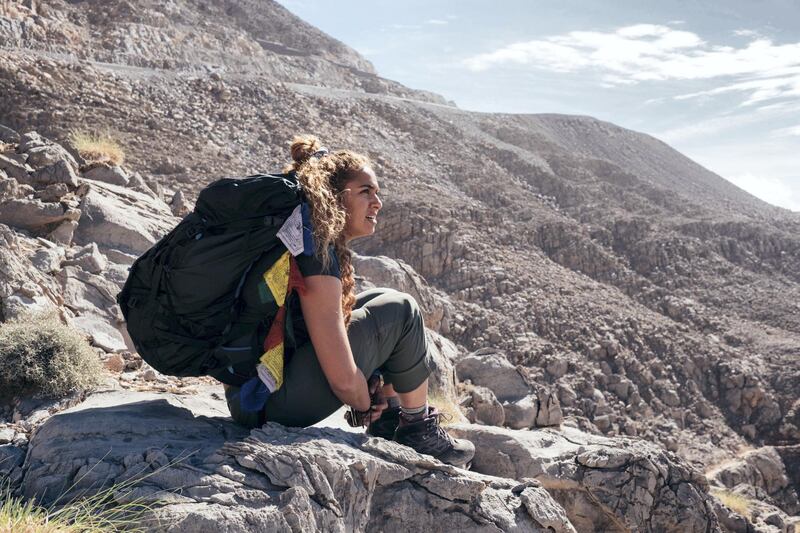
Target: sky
[717,80]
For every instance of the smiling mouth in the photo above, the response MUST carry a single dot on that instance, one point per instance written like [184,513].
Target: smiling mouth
[372,218]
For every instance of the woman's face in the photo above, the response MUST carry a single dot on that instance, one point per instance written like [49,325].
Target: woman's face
[361,201]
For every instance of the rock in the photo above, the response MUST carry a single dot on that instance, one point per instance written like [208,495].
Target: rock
[115,363]
[180,205]
[89,259]
[48,260]
[115,217]
[107,174]
[6,435]
[207,474]
[103,334]
[13,168]
[7,135]
[88,294]
[42,152]
[32,215]
[54,192]
[484,408]
[11,457]
[557,368]
[492,369]
[521,414]
[763,469]
[443,353]
[386,272]
[59,172]
[64,232]
[603,484]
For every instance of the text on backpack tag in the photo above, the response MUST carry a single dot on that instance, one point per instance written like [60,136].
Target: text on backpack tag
[291,233]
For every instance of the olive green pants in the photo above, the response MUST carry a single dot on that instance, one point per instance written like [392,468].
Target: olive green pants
[386,333]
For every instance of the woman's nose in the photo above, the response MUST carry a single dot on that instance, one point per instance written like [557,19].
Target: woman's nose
[377,201]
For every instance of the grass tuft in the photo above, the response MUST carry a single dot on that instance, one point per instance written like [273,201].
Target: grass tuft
[733,501]
[97,148]
[40,356]
[447,406]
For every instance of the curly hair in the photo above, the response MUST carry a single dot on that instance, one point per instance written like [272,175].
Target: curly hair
[323,180]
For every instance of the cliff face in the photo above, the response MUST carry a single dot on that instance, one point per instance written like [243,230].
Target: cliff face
[653,297]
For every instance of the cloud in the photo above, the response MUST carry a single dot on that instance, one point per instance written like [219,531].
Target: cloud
[436,22]
[652,52]
[773,190]
[788,132]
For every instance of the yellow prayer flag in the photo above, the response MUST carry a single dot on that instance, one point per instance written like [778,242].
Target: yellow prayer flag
[272,359]
[277,278]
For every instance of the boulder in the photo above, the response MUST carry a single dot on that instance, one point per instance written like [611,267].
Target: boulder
[197,471]
[443,354]
[14,167]
[59,172]
[89,259]
[33,214]
[101,332]
[180,205]
[42,152]
[119,218]
[107,174]
[7,135]
[483,407]
[383,271]
[493,370]
[604,484]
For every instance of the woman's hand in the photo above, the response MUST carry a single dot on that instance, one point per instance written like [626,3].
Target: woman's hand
[322,310]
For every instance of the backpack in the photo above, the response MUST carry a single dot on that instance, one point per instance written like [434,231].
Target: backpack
[182,300]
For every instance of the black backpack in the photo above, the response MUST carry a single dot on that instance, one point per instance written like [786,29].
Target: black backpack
[183,297]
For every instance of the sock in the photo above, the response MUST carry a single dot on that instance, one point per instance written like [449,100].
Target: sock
[413,414]
[393,401]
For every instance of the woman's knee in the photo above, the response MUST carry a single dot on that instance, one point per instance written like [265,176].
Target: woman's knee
[407,306]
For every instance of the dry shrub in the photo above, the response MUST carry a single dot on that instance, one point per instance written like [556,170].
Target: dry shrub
[40,356]
[97,148]
[735,502]
[447,406]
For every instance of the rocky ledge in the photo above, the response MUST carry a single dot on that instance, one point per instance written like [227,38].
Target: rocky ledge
[198,471]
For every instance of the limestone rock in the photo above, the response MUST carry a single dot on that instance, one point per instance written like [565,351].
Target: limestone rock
[64,232]
[108,174]
[7,135]
[208,475]
[14,167]
[89,259]
[48,260]
[59,172]
[115,217]
[42,152]
[492,369]
[33,214]
[603,484]
[386,272]
[443,355]
[180,205]
[101,332]
[483,407]
[53,192]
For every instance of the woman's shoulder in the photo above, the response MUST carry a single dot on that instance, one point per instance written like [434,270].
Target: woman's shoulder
[312,265]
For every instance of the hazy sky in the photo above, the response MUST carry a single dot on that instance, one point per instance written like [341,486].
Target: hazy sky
[717,80]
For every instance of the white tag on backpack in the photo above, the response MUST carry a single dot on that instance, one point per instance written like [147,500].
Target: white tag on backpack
[291,233]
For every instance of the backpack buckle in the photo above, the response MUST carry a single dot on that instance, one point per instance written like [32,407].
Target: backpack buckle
[194,232]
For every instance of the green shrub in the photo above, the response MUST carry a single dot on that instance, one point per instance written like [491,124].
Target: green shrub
[40,356]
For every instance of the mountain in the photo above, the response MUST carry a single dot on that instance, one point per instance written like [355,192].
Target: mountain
[654,297]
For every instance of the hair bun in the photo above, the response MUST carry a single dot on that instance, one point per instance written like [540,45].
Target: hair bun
[303,147]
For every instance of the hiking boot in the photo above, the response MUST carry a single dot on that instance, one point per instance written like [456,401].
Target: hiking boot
[385,426]
[429,437]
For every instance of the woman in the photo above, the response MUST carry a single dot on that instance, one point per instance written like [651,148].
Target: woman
[342,338]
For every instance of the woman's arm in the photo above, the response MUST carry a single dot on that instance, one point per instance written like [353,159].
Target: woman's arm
[322,311]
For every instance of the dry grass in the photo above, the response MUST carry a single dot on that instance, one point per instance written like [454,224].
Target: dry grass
[733,501]
[448,407]
[40,356]
[97,148]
